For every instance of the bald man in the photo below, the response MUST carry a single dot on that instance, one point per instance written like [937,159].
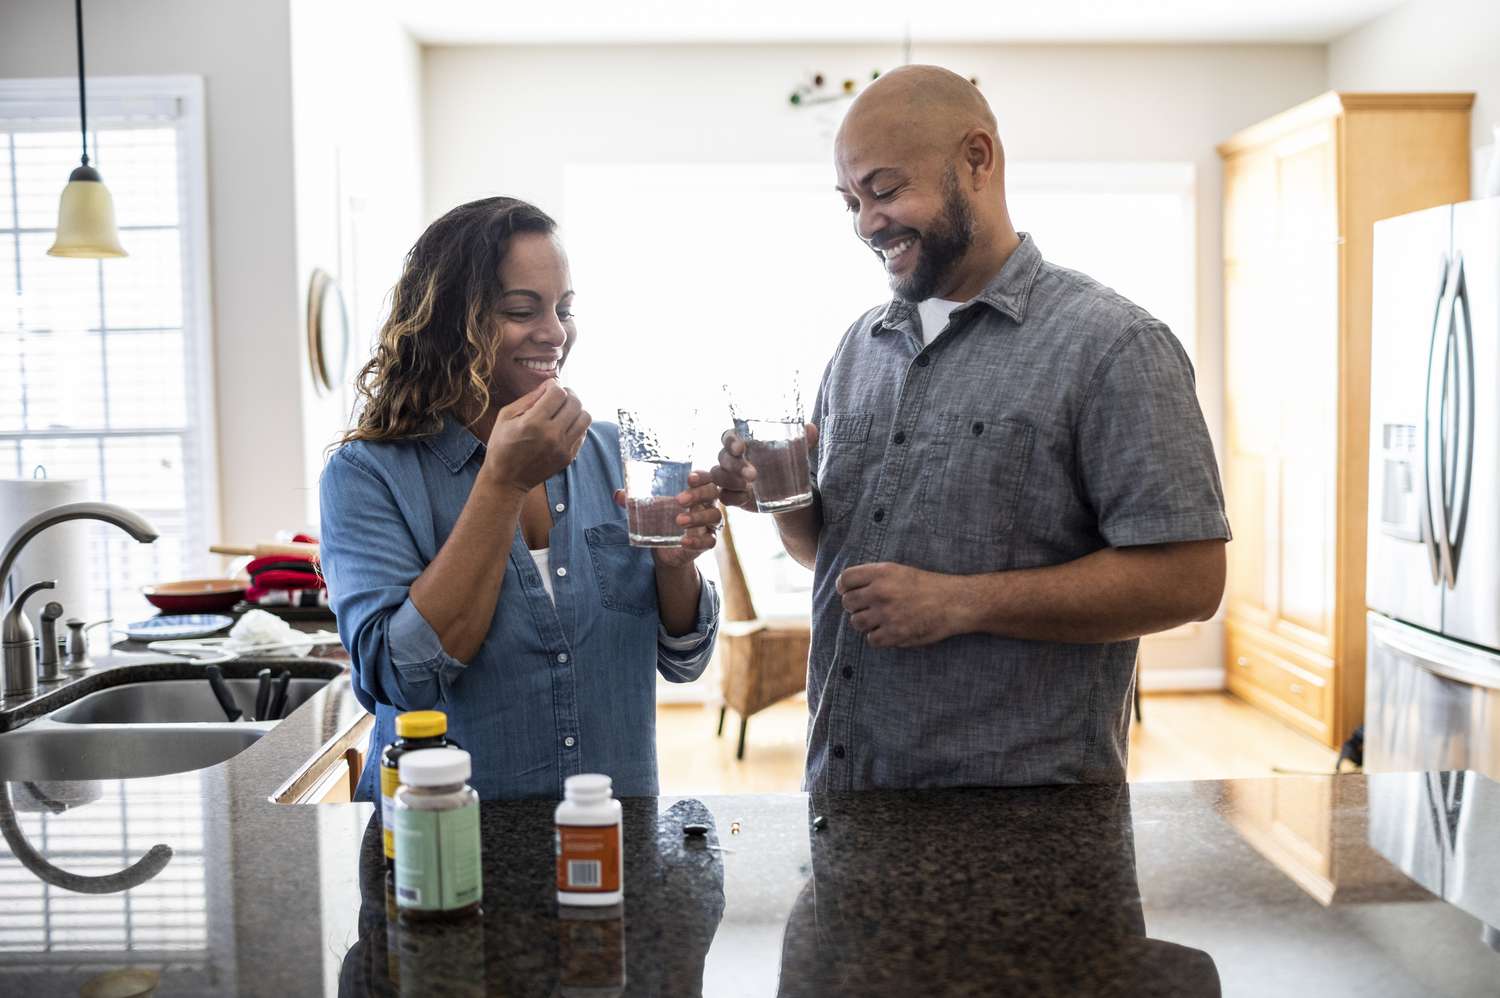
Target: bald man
[1014,480]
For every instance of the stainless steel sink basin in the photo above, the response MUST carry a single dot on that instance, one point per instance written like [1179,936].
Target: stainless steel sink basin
[168,701]
[44,750]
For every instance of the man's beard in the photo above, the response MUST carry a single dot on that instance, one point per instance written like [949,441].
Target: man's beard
[941,246]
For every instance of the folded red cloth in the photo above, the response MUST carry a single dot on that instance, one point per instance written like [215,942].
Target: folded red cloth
[281,579]
[287,597]
[275,561]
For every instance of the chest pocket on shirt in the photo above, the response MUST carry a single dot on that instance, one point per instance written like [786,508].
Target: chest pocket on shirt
[626,575]
[973,477]
[841,449]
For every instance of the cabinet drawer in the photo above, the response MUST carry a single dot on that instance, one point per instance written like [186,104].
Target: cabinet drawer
[1274,678]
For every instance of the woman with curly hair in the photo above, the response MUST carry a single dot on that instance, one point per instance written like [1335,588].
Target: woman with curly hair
[473,538]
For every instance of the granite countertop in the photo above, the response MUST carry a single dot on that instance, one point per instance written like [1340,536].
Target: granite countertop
[1349,885]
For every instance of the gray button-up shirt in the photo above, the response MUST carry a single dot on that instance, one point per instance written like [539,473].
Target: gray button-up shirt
[1051,418]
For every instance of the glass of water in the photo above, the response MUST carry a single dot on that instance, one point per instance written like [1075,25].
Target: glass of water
[656,447]
[769,421]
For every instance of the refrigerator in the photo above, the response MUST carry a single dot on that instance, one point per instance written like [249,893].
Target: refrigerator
[1432,590]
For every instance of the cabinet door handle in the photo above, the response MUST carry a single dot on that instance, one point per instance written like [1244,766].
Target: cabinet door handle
[1296,688]
[1242,662]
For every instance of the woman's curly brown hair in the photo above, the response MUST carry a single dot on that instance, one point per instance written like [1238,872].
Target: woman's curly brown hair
[437,350]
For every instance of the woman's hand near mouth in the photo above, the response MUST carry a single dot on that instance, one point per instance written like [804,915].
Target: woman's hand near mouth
[535,437]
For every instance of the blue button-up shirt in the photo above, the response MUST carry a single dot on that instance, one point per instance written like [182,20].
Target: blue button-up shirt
[557,688]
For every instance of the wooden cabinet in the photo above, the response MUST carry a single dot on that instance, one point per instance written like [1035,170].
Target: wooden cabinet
[1315,830]
[1301,193]
[332,774]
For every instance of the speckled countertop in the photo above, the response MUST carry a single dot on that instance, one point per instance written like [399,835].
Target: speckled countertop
[1284,887]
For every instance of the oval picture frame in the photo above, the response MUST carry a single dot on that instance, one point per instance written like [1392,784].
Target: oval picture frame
[327,332]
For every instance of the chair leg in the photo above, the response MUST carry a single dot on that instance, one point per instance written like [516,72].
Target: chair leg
[1138,718]
[739,753]
[720,732]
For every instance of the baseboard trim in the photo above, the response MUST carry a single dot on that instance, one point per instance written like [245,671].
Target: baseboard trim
[1181,680]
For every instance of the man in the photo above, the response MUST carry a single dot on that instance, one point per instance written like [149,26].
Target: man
[1014,480]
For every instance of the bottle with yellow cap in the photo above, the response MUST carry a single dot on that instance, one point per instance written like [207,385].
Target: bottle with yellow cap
[415,730]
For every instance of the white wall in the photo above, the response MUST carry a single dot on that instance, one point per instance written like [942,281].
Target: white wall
[509,119]
[314,132]
[243,53]
[1429,45]
[356,79]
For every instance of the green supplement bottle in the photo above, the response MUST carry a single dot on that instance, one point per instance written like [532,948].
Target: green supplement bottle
[416,729]
[438,869]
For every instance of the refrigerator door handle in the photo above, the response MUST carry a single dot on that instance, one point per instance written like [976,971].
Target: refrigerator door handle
[1460,664]
[1456,505]
[1429,526]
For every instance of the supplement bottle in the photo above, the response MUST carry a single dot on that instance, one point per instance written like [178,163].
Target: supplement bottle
[590,843]
[416,729]
[438,868]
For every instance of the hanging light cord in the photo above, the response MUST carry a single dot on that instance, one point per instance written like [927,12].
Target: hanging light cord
[83,108]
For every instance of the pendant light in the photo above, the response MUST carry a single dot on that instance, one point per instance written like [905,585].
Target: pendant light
[86,212]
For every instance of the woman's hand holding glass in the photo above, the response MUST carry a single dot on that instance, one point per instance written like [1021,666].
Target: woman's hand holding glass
[700,514]
[535,437]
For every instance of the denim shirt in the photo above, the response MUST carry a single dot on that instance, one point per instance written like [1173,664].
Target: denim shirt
[1051,418]
[555,689]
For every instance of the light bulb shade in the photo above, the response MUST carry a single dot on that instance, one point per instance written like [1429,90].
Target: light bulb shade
[86,219]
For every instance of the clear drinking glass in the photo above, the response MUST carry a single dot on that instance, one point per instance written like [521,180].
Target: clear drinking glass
[769,421]
[657,450]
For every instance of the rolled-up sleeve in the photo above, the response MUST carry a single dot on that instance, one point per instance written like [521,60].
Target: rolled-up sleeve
[1146,461]
[683,658]
[370,559]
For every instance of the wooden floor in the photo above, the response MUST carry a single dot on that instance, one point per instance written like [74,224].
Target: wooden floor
[1185,736]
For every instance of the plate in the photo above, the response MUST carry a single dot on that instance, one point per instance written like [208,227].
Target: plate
[293,646]
[167,627]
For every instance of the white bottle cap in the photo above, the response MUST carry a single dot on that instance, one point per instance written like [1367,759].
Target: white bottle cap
[437,767]
[587,785]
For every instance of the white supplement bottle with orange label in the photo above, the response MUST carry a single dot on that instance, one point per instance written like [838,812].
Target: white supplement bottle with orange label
[590,843]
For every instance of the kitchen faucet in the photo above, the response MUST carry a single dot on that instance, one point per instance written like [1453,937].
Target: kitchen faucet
[18,645]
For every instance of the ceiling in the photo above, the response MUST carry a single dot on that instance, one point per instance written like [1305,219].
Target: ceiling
[468,22]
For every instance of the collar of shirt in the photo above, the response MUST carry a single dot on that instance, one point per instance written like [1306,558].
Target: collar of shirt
[1008,292]
[454,444]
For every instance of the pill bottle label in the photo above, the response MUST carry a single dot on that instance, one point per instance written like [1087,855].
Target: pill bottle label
[588,858]
[437,859]
[390,780]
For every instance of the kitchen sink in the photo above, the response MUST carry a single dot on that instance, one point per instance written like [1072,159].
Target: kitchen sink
[168,701]
[44,750]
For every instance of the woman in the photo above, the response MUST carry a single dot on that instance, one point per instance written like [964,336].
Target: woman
[472,535]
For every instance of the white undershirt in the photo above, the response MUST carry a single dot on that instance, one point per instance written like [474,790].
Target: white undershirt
[934,313]
[543,559]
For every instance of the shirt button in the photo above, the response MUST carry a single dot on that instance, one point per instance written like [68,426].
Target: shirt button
[560,507]
[900,437]
[838,751]
[848,672]
[570,741]
[562,657]
[562,573]
[924,360]
[879,515]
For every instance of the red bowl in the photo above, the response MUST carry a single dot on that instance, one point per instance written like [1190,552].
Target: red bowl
[195,595]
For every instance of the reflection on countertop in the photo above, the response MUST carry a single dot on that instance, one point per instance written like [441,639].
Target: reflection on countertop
[1147,889]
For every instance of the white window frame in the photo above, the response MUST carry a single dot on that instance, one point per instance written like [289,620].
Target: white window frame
[51,100]
[1109,177]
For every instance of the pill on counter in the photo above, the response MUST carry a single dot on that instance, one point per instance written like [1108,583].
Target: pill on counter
[694,830]
[820,823]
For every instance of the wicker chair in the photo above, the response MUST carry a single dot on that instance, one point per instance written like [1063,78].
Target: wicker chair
[760,661]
